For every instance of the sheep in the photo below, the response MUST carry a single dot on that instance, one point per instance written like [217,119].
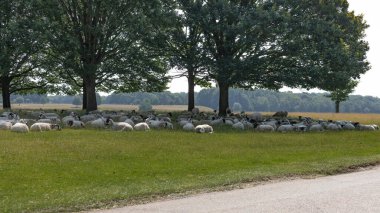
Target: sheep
[188,127]
[39,127]
[204,128]
[141,127]
[5,125]
[195,111]
[168,125]
[129,121]
[316,128]
[75,124]
[281,114]
[20,127]
[88,118]
[238,125]
[265,128]
[333,127]
[286,128]
[365,127]
[119,126]
[98,123]
[155,124]
[348,126]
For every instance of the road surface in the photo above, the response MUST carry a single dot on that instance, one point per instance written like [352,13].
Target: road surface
[354,192]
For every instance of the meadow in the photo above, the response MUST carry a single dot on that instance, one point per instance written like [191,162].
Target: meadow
[74,170]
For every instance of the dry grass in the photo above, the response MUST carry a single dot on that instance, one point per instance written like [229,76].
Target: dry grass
[105,107]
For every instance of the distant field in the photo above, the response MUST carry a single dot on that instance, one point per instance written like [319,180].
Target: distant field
[104,107]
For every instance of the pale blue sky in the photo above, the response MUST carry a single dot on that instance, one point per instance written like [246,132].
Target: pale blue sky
[369,82]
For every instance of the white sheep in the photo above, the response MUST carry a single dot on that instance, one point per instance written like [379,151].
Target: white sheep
[286,128]
[5,125]
[238,125]
[265,128]
[204,128]
[75,124]
[119,126]
[156,124]
[141,127]
[348,126]
[366,127]
[39,127]
[316,128]
[98,123]
[20,127]
[333,127]
[188,127]
[128,120]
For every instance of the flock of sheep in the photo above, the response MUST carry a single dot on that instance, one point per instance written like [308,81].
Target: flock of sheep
[194,121]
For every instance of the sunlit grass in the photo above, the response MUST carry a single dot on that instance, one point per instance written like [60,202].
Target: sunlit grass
[75,170]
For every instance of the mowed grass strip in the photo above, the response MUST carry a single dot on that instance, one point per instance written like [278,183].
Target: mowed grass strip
[74,170]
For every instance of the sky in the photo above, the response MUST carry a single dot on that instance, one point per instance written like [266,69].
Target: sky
[369,84]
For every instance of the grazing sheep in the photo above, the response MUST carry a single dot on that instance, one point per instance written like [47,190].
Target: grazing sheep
[204,128]
[265,128]
[238,125]
[286,128]
[188,127]
[75,124]
[142,127]
[20,127]
[119,126]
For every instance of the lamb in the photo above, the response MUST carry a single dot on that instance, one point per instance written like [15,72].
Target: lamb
[39,127]
[142,127]
[119,126]
[204,128]
[188,127]
[265,128]
[20,127]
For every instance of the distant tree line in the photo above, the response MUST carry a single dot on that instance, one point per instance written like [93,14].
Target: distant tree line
[241,100]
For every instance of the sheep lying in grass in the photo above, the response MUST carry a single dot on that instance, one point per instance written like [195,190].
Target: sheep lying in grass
[265,128]
[5,125]
[316,128]
[99,123]
[141,127]
[238,125]
[365,127]
[75,124]
[204,128]
[40,127]
[188,127]
[20,127]
[286,128]
[119,126]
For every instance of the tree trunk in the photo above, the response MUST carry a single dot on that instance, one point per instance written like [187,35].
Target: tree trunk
[223,98]
[337,106]
[84,98]
[190,94]
[5,91]
[91,104]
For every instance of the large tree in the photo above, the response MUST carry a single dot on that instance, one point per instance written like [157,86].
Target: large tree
[21,56]
[275,43]
[103,39]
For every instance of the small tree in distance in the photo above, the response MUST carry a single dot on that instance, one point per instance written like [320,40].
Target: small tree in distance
[340,95]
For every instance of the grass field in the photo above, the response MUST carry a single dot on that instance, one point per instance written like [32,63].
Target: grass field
[78,170]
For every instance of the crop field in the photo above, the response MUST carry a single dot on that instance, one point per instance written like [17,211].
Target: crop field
[75,170]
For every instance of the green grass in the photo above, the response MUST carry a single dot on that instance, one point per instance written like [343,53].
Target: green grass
[75,170]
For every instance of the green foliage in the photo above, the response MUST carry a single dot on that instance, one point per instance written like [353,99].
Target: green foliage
[74,170]
[340,95]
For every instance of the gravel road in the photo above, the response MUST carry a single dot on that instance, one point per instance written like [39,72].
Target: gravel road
[354,192]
